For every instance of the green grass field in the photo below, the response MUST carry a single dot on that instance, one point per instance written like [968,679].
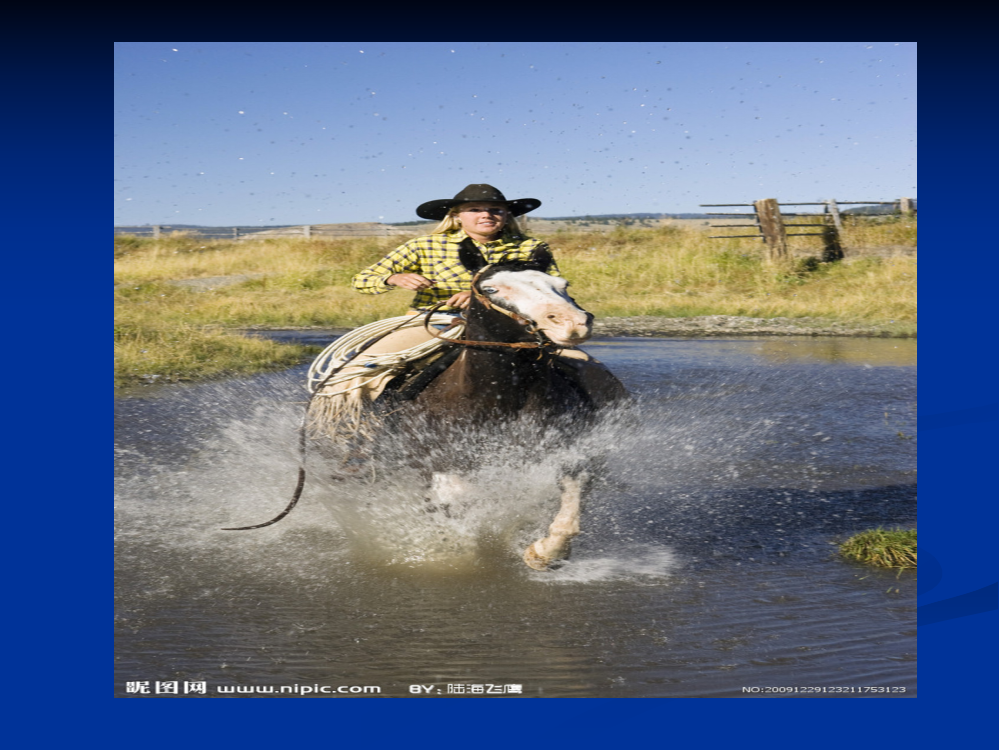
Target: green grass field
[885,548]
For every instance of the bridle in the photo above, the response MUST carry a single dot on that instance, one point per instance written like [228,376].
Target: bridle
[540,342]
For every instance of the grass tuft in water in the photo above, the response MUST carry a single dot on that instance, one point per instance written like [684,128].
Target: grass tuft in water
[895,548]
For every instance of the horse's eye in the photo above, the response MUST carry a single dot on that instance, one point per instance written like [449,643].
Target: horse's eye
[490,289]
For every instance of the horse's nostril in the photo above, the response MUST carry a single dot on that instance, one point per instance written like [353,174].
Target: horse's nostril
[552,317]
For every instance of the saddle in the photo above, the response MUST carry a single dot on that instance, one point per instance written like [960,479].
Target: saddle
[364,374]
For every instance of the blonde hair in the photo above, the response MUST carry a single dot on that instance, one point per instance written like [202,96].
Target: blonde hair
[450,223]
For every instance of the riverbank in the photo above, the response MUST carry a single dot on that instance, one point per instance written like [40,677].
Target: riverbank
[649,326]
[735,325]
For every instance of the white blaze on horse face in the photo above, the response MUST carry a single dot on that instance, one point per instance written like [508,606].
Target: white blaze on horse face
[542,298]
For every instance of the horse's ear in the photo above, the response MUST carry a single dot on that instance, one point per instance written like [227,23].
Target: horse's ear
[541,258]
[470,256]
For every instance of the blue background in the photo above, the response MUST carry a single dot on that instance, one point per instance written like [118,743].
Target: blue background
[57,563]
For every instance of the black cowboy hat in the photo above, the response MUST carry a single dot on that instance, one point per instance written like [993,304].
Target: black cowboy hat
[437,210]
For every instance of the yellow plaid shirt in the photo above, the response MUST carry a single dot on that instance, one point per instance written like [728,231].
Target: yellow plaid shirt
[436,257]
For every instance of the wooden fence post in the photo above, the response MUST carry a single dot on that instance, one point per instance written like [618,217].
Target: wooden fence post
[905,206]
[235,233]
[832,250]
[156,232]
[772,226]
[307,230]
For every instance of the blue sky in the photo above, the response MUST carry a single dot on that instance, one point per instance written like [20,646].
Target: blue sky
[250,133]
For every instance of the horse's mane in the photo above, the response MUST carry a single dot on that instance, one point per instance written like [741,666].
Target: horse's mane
[540,260]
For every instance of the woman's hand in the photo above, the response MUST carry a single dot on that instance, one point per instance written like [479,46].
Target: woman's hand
[409,281]
[461,300]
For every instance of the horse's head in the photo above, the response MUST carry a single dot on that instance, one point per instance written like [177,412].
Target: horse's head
[538,300]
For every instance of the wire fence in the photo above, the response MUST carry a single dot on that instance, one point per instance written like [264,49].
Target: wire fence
[374,229]
[248,233]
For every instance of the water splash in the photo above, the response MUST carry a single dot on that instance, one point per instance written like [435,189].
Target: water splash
[688,462]
[695,538]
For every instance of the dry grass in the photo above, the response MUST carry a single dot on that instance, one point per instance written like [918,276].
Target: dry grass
[670,271]
[682,272]
[153,352]
[140,260]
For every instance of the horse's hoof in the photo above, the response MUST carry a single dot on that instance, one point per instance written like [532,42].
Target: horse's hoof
[536,561]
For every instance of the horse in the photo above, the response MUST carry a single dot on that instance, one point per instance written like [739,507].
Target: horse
[509,369]
[516,362]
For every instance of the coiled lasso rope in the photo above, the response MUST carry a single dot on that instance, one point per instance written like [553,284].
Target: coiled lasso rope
[341,416]
[344,349]
[339,412]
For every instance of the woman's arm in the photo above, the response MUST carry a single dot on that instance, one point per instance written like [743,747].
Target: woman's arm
[403,263]
[413,281]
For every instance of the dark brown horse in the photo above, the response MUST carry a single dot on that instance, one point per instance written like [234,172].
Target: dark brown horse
[517,363]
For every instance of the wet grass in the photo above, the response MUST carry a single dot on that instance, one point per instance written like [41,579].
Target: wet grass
[884,548]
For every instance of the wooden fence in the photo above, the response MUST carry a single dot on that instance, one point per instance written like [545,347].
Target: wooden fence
[772,229]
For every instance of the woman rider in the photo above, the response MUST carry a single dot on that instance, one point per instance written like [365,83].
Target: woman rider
[431,267]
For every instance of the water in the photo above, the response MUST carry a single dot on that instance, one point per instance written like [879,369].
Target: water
[706,564]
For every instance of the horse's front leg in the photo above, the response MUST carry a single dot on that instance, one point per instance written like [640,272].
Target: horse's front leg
[542,553]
